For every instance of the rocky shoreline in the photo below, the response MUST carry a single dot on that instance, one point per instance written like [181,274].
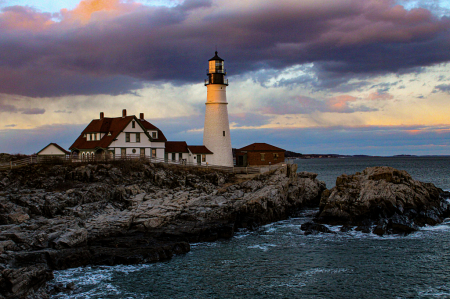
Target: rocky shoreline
[63,216]
[381,200]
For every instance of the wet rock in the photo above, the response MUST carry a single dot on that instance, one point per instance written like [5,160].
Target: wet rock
[364,229]
[381,228]
[315,228]
[345,229]
[402,225]
[383,193]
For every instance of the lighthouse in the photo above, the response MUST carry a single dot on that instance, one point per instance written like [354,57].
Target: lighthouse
[216,133]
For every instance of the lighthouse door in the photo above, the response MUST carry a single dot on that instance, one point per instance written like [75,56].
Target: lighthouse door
[199,159]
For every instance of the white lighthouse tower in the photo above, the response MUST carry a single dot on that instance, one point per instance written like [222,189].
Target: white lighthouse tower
[216,134]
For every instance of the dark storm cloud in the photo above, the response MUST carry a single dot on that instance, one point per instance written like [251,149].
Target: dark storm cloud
[117,52]
[8,108]
[32,111]
[443,87]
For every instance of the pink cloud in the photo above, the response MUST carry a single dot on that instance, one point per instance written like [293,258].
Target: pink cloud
[305,105]
[377,96]
[101,9]
[24,18]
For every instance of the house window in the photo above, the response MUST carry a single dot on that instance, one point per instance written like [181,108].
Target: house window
[173,156]
[275,156]
[154,135]
[263,156]
[180,156]
[153,152]
[95,136]
[133,124]
[134,151]
[138,137]
[224,133]
[127,137]
[203,158]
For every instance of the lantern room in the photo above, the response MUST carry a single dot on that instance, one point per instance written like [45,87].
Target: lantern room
[216,72]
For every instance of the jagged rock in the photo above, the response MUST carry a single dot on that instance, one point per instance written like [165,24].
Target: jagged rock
[345,228]
[381,228]
[72,238]
[23,282]
[130,213]
[382,193]
[311,228]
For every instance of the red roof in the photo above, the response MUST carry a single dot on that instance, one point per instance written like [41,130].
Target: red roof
[199,149]
[261,147]
[111,125]
[176,147]
[57,146]
[149,126]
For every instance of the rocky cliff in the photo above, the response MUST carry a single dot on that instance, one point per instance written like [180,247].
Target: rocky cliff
[56,217]
[383,200]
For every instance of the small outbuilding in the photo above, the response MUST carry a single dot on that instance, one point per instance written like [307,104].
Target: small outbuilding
[52,151]
[259,154]
[177,151]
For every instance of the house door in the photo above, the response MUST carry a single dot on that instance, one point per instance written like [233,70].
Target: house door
[123,152]
[199,159]
[142,152]
[240,161]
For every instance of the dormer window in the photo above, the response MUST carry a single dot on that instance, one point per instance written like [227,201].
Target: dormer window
[84,136]
[154,135]
[109,134]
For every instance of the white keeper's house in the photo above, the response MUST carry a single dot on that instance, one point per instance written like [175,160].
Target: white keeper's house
[116,137]
[119,137]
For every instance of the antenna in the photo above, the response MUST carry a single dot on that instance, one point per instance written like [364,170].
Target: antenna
[216,48]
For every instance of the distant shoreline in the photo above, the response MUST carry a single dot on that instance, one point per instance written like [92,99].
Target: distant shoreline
[334,156]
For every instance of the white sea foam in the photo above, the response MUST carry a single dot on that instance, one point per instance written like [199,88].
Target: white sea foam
[315,271]
[435,292]
[241,235]
[263,247]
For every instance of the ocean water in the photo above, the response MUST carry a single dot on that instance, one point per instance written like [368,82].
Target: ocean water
[278,261]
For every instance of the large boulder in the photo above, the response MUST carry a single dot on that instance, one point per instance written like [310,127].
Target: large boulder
[385,196]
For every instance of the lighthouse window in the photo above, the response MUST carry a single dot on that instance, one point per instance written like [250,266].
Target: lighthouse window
[223,133]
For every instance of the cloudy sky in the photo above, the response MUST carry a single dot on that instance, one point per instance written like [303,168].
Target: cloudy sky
[312,76]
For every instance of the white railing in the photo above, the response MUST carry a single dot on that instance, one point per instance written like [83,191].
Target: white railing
[18,163]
